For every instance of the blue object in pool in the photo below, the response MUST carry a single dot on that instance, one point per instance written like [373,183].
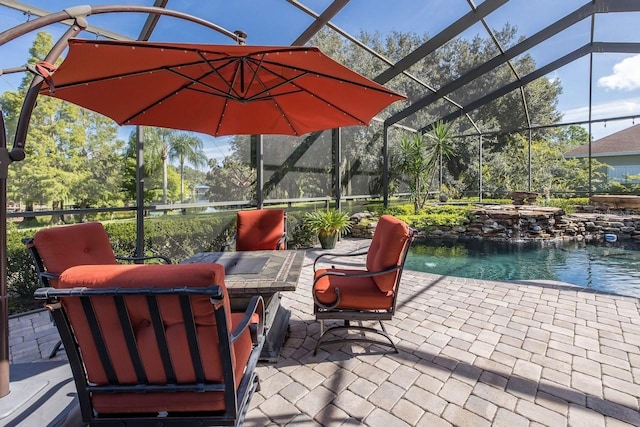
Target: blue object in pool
[610,238]
[609,268]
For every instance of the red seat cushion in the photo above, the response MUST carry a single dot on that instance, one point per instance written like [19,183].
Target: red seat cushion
[163,276]
[389,240]
[259,229]
[357,293]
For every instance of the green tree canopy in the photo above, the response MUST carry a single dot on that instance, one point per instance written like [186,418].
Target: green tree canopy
[70,152]
[362,146]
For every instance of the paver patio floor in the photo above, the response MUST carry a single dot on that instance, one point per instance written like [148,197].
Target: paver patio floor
[472,353]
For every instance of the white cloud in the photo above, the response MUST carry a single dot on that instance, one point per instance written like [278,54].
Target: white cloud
[615,108]
[626,75]
[612,109]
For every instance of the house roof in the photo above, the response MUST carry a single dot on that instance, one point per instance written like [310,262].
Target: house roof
[625,142]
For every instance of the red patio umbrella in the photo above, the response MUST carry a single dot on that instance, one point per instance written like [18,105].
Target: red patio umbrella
[216,89]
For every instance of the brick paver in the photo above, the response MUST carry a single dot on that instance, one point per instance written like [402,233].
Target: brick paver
[472,353]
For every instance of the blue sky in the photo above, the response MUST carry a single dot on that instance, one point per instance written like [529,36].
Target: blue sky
[616,82]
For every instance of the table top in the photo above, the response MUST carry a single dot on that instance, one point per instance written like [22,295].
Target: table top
[256,272]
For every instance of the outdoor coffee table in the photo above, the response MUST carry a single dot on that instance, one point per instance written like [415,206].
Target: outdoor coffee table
[264,273]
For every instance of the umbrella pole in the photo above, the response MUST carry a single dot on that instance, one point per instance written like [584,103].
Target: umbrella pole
[336,137]
[4,299]
[6,157]
[140,191]
[259,144]
[385,165]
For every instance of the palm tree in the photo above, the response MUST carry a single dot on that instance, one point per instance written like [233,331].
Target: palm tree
[440,147]
[420,157]
[162,145]
[156,144]
[413,161]
[186,148]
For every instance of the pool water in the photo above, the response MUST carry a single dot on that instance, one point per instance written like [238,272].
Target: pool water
[610,267]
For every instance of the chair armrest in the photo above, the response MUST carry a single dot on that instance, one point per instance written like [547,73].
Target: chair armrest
[364,273]
[143,258]
[49,275]
[227,246]
[336,255]
[282,243]
[256,306]
[45,276]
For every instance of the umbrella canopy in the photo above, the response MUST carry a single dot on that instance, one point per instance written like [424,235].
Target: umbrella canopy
[216,89]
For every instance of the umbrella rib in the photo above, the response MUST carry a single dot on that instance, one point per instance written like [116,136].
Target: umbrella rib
[258,65]
[190,81]
[123,75]
[273,98]
[381,88]
[193,81]
[293,83]
[377,87]
[306,72]
[224,110]
[152,70]
[241,96]
[284,81]
[231,93]
[345,112]
[104,79]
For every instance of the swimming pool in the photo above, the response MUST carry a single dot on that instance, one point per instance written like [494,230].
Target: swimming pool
[610,268]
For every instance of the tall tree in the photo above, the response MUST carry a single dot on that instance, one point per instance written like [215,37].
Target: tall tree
[231,180]
[437,69]
[63,146]
[415,165]
[186,148]
[162,145]
[156,148]
[440,147]
[92,149]
[507,169]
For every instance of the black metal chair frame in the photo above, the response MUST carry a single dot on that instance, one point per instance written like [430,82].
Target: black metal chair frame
[44,276]
[226,247]
[236,402]
[324,312]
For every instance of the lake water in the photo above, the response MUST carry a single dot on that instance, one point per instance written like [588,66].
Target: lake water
[610,267]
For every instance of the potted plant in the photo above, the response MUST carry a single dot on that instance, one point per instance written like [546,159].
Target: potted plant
[329,224]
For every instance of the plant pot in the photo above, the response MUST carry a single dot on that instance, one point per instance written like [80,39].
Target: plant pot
[327,240]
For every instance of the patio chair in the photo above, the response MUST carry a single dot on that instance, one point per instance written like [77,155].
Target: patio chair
[260,229]
[157,344]
[55,249]
[363,294]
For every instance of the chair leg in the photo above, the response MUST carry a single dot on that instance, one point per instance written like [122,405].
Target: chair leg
[55,349]
[347,325]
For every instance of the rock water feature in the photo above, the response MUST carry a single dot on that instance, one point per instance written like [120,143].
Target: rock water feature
[522,222]
[530,222]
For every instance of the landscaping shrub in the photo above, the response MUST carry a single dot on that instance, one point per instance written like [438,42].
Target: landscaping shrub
[175,237]
[568,205]
[431,215]
[299,235]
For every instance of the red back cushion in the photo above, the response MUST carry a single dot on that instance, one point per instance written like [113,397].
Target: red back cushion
[389,240]
[259,229]
[137,276]
[71,245]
